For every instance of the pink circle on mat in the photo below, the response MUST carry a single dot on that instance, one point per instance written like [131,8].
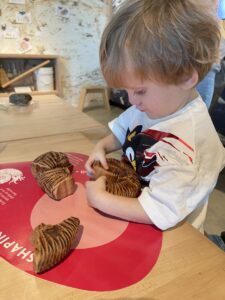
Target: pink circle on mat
[96,228]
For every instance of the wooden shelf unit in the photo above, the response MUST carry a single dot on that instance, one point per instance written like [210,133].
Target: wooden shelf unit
[15,64]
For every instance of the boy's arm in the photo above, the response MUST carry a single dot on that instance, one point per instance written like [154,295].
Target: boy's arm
[122,207]
[104,146]
[110,143]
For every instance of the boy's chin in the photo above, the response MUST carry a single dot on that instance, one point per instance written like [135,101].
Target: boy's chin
[152,115]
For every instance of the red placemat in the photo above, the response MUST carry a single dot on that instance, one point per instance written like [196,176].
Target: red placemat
[111,253]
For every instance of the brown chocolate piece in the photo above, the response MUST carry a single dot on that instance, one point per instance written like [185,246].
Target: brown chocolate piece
[52,243]
[50,160]
[52,171]
[121,178]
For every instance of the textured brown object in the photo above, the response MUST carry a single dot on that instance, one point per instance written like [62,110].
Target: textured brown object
[52,171]
[121,178]
[52,243]
[49,161]
[57,183]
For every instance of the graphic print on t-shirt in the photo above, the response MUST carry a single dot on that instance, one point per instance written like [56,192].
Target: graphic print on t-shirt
[139,151]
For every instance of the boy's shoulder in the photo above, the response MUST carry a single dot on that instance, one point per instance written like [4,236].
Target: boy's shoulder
[189,123]
[187,117]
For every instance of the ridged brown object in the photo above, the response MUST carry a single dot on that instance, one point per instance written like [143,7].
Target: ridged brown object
[57,183]
[49,161]
[121,178]
[52,243]
[52,171]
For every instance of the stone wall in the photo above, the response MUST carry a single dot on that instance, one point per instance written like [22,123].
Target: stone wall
[74,35]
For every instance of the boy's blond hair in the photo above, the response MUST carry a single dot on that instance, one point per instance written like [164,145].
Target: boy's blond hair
[165,40]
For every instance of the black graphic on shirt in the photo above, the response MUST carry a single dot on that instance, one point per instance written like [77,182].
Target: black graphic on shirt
[134,147]
[138,141]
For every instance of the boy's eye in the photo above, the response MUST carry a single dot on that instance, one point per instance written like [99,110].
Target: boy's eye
[140,92]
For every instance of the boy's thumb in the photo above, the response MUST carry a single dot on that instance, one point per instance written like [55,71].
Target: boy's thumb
[104,164]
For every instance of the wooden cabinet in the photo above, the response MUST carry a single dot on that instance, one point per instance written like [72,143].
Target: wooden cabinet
[18,71]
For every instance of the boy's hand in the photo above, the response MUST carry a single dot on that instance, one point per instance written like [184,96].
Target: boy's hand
[107,145]
[96,155]
[94,189]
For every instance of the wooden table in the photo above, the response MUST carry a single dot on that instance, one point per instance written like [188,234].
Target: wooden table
[45,117]
[47,124]
[189,265]
[29,149]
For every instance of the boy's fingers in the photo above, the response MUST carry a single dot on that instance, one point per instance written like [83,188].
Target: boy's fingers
[90,171]
[104,164]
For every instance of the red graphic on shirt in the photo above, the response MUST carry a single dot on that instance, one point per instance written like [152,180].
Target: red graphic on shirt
[111,253]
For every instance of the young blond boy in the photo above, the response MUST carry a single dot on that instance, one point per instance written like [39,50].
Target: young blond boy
[158,50]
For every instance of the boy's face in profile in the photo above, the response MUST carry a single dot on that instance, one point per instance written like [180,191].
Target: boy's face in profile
[158,100]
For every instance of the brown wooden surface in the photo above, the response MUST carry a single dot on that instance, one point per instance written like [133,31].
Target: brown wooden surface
[189,267]
[17,151]
[45,116]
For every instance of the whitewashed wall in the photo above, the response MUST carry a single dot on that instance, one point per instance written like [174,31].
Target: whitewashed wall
[76,39]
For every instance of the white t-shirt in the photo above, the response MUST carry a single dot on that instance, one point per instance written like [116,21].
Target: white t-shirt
[178,157]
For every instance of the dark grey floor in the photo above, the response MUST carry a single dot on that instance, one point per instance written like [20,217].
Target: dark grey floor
[215,219]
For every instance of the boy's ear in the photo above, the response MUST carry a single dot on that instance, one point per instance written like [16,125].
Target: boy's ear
[190,82]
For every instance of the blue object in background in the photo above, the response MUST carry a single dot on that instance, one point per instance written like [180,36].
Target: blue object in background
[221,9]
[206,86]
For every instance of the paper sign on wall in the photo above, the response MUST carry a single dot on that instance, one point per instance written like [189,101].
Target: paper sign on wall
[62,11]
[11,33]
[23,17]
[24,46]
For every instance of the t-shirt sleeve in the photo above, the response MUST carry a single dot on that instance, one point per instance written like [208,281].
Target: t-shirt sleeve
[177,185]
[119,125]
[173,193]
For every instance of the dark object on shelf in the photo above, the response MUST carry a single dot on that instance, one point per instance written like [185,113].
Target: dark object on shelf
[20,73]
[119,98]
[20,99]
[26,73]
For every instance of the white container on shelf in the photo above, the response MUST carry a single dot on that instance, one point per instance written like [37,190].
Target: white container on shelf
[44,79]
